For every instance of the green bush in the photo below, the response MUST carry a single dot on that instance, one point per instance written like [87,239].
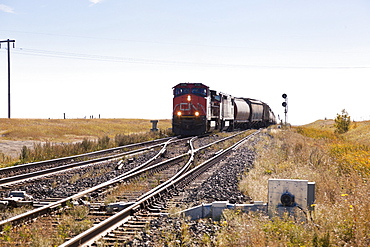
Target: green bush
[342,122]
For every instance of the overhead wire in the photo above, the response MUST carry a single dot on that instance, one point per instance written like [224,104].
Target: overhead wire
[80,56]
[104,58]
[173,43]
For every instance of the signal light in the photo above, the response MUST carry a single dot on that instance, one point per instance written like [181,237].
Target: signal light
[179,114]
[197,114]
[285,104]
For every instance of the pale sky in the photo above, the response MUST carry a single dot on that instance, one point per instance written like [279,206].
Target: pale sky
[120,59]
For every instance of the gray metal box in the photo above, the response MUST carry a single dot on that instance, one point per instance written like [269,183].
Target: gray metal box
[298,193]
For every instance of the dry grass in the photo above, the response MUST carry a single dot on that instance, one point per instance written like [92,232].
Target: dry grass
[339,164]
[70,130]
[42,233]
[341,170]
[53,138]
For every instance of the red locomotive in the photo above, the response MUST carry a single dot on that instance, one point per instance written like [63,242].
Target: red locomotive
[197,110]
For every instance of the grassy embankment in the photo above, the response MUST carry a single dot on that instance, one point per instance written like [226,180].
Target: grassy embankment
[62,137]
[340,166]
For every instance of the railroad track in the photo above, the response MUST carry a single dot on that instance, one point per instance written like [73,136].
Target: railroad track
[117,228]
[44,168]
[144,201]
[42,165]
[10,182]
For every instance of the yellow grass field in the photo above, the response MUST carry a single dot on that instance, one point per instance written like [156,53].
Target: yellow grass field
[70,130]
[17,133]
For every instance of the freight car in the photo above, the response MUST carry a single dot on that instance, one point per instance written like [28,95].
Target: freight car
[198,110]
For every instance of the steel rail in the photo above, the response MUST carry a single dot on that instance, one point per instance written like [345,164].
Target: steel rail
[191,152]
[18,178]
[88,237]
[25,217]
[10,169]
[30,215]
[147,163]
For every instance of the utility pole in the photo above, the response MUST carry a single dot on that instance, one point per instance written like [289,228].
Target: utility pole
[8,41]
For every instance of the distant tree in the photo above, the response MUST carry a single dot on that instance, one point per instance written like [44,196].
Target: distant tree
[342,122]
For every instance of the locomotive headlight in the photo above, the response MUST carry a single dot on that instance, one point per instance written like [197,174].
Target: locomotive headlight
[189,98]
[197,113]
[179,113]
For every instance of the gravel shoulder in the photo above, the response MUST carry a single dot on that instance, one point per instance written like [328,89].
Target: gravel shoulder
[13,148]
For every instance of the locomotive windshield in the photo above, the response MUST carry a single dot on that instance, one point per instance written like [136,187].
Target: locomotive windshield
[184,90]
[199,91]
[179,91]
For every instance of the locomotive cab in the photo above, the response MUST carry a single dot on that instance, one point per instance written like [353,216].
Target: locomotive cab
[190,109]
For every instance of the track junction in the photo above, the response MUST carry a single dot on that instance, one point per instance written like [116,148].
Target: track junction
[166,168]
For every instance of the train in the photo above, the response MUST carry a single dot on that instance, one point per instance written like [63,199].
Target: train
[198,110]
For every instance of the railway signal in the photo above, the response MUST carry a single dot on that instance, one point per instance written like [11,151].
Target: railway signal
[285,105]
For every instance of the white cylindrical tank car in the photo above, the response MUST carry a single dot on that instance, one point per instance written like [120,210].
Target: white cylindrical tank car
[241,110]
[256,110]
[250,113]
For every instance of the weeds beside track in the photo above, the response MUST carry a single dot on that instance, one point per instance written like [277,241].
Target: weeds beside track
[341,172]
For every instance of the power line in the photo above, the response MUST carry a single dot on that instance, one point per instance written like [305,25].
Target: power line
[181,43]
[102,58]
